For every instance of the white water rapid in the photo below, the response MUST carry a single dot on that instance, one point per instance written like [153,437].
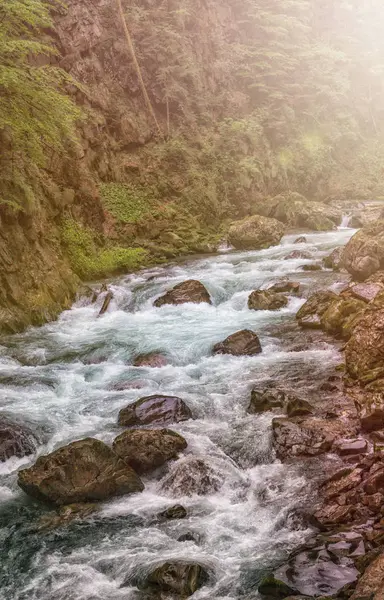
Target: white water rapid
[61,379]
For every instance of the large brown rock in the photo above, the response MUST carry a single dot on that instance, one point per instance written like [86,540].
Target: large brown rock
[371,584]
[191,476]
[241,343]
[84,471]
[296,211]
[364,353]
[152,359]
[15,440]
[187,291]
[255,233]
[304,436]
[147,449]
[364,253]
[339,313]
[176,579]
[154,410]
[266,300]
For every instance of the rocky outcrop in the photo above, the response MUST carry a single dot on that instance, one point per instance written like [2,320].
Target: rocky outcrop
[176,579]
[147,449]
[191,476]
[340,314]
[285,286]
[309,315]
[364,254]
[83,471]
[241,343]
[15,440]
[154,410]
[187,291]
[255,233]
[152,359]
[266,300]
[295,210]
[334,260]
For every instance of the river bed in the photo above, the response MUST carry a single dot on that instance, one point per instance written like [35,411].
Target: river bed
[61,380]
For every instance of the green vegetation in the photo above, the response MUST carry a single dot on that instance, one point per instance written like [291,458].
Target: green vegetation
[37,118]
[90,262]
[125,202]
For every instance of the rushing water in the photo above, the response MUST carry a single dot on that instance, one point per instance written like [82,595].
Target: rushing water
[61,380]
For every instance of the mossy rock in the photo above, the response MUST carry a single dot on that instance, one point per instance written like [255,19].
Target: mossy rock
[274,588]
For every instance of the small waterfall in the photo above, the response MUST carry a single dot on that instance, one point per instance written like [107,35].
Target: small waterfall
[345,219]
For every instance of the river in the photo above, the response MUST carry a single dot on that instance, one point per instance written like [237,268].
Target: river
[61,380]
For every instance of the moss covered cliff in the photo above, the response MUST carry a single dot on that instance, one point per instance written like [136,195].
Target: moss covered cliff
[249,99]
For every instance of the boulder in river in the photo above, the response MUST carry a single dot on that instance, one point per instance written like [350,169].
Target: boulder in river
[255,233]
[314,267]
[266,300]
[297,254]
[191,476]
[187,291]
[83,471]
[154,410]
[285,286]
[15,440]
[334,260]
[364,253]
[300,240]
[241,343]
[297,407]
[266,399]
[152,359]
[173,512]
[147,449]
[178,578]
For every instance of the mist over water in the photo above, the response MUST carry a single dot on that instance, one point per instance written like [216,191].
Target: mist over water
[61,380]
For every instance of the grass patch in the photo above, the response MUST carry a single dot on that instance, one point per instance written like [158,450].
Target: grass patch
[89,262]
[127,203]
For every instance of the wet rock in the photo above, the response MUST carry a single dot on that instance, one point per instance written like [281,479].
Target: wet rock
[133,384]
[270,587]
[147,449]
[255,233]
[339,485]
[174,512]
[317,571]
[364,253]
[304,436]
[107,301]
[371,413]
[291,287]
[331,515]
[152,359]
[154,410]
[338,312]
[266,300]
[371,584]
[333,261]
[187,291]
[191,476]
[15,440]
[375,482]
[300,240]
[241,343]
[298,407]
[67,514]
[295,254]
[366,291]
[264,400]
[295,210]
[83,471]
[176,577]
[190,536]
[364,350]
[310,313]
[351,447]
[311,267]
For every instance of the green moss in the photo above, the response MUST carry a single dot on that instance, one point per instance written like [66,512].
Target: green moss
[127,203]
[88,261]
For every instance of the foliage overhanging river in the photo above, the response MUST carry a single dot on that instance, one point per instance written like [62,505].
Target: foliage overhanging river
[60,380]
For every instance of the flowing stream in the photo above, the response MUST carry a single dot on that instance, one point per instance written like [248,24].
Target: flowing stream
[61,380]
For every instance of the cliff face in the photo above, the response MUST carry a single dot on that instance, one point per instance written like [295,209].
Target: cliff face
[236,104]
